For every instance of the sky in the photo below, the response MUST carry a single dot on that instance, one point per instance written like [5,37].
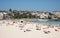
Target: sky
[38,5]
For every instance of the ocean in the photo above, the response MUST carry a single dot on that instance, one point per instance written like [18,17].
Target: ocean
[46,22]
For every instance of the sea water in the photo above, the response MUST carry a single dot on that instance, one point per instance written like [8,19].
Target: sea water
[46,22]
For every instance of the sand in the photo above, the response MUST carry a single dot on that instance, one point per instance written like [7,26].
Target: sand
[13,31]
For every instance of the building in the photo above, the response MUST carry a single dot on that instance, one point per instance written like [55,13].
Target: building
[44,15]
[1,15]
[57,14]
[5,15]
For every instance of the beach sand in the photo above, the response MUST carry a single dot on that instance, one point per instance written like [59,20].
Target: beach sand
[13,31]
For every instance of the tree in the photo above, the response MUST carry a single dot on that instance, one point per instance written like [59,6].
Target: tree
[10,10]
[49,17]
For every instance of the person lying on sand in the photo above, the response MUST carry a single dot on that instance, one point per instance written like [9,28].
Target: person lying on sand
[46,32]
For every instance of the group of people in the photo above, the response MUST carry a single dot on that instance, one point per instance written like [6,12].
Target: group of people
[28,26]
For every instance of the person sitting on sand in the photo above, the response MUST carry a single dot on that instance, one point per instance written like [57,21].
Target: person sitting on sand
[21,24]
[38,27]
